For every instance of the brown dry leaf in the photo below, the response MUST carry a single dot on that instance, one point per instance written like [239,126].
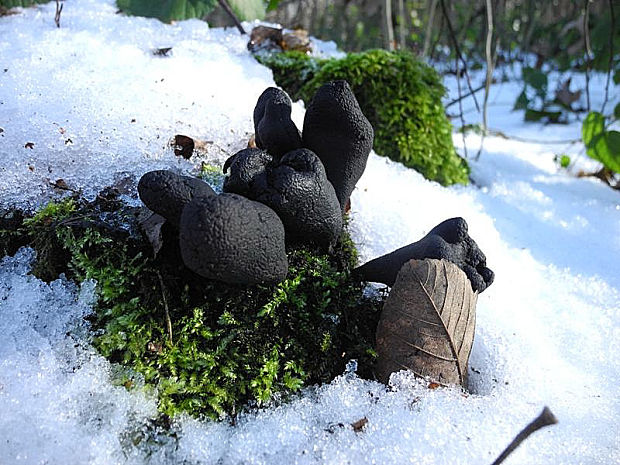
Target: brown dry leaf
[265,38]
[297,40]
[358,426]
[433,385]
[183,146]
[61,184]
[565,96]
[427,323]
[29,145]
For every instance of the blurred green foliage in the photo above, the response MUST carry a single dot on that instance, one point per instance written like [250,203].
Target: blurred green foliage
[178,10]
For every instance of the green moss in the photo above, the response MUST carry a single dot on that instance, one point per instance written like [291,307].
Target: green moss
[227,347]
[400,96]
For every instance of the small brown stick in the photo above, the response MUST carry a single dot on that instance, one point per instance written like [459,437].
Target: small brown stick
[546,418]
[224,4]
[167,313]
[58,11]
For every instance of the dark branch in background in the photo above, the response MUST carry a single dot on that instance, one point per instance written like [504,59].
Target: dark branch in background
[460,100]
[611,52]
[546,418]
[224,4]
[586,41]
[58,11]
[432,6]
[458,51]
[489,74]
[464,96]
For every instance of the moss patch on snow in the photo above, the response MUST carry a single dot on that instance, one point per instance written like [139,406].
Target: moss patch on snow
[205,347]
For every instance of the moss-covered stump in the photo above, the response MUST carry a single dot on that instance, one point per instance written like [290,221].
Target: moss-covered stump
[401,97]
[208,348]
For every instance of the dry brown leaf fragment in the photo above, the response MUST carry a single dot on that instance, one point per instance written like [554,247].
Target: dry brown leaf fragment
[265,38]
[29,145]
[61,184]
[297,40]
[183,146]
[161,52]
[359,425]
[427,323]
[151,224]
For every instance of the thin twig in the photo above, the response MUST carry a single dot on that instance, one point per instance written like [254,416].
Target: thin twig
[429,27]
[458,51]
[546,418]
[464,96]
[224,4]
[495,132]
[489,74]
[389,27]
[611,52]
[58,11]
[586,40]
[460,100]
[167,313]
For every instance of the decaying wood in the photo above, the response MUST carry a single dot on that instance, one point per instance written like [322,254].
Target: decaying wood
[427,323]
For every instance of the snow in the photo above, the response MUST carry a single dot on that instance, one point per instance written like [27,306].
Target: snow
[547,329]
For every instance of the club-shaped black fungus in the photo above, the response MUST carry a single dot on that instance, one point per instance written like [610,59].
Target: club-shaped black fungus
[166,193]
[232,239]
[244,167]
[295,187]
[338,132]
[274,129]
[448,240]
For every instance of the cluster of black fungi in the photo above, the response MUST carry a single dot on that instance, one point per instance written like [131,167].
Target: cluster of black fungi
[291,189]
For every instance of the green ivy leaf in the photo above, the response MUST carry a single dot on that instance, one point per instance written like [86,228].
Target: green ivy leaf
[601,145]
[522,101]
[537,115]
[537,80]
[248,9]
[592,126]
[273,4]
[20,3]
[167,10]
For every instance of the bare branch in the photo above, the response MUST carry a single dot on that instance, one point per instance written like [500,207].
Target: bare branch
[429,27]
[586,40]
[224,4]
[611,52]
[546,418]
[58,11]
[457,49]
[460,100]
[389,27]
[464,96]
[489,75]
